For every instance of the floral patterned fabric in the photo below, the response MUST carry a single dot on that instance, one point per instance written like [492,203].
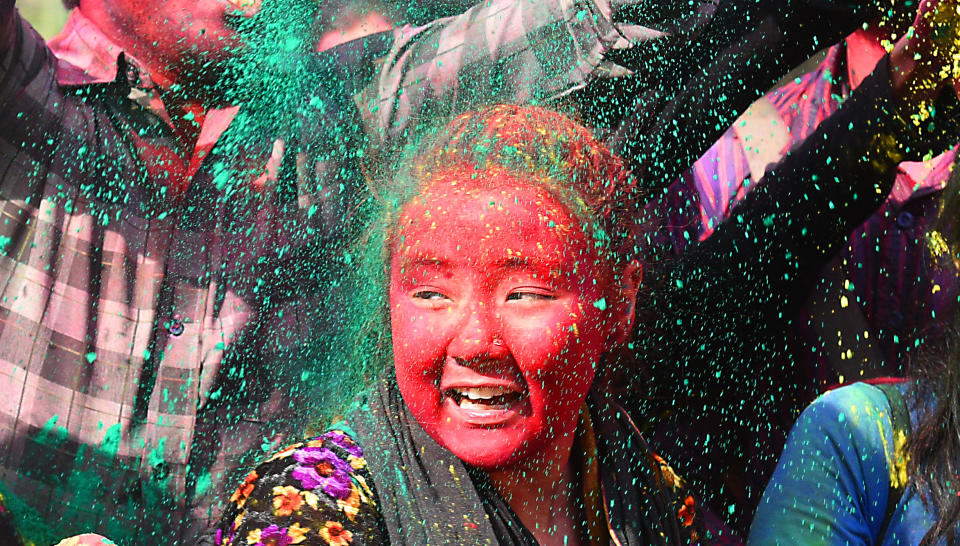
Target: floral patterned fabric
[320,492]
[317,492]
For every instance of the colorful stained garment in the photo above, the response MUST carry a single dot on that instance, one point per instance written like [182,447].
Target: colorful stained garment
[314,492]
[885,269]
[403,488]
[833,481]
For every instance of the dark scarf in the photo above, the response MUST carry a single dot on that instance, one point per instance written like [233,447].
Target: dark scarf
[428,496]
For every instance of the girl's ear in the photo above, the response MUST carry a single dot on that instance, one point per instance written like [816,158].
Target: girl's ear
[624,307]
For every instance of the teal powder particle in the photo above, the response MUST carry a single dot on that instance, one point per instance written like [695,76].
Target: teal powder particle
[111,441]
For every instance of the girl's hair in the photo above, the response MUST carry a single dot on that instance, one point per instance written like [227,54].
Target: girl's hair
[933,446]
[531,143]
[535,144]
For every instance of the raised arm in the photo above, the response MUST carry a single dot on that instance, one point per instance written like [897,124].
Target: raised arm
[498,51]
[46,129]
[695,84]
[681,71]
[27,81]
[759,265]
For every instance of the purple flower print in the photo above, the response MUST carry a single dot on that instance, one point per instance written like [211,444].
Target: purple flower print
[343,441]
[222,538]
[275,536]
[321,468]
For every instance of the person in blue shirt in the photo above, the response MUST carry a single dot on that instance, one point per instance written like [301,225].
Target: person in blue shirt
[842,475]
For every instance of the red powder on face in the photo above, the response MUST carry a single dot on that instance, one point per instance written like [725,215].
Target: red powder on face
[497,322]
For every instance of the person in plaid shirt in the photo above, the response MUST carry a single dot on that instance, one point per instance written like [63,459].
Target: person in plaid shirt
[147,314]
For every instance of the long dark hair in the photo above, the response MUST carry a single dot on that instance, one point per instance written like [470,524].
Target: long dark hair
[933,446]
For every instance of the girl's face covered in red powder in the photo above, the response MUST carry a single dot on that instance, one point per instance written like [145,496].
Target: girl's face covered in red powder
[500,310]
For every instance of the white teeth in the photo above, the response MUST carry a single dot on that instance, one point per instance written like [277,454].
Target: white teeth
[498,398]
[481,393]
[467,404]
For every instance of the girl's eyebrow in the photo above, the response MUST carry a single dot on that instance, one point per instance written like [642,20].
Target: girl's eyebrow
[520,263]
[513,263]
[422,261]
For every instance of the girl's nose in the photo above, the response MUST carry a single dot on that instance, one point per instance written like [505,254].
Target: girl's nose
[478,336]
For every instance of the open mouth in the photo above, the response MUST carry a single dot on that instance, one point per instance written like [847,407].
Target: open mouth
[499,398]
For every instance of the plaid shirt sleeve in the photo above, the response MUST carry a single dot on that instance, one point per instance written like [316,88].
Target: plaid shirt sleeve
[502,50]
[29,100]
[47,131]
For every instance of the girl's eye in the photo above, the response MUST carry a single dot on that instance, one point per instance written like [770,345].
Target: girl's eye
[430,295]
[530,295]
